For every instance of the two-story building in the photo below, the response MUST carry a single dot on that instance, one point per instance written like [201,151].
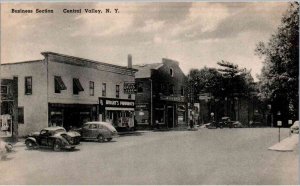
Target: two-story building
[160,100]
[62,90]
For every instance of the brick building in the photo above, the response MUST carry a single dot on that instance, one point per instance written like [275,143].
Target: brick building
[65,91]
[160,95]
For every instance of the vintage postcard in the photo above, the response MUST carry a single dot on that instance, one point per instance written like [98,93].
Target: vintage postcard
[149,93]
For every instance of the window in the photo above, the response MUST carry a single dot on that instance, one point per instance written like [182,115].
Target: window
[171,72]
[92,88]
[20,115]
[171,89]
[59,84]
[4,89]
[182,91]
[77,87]
[28,85]
[129,96]
[103,89]
[117,91]
[139,87]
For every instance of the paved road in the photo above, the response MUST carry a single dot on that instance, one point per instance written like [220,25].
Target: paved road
[207,156]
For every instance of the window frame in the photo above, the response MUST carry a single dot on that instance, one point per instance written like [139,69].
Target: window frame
[104,89]
[117,91]
[27,85]
[92,88]
[21,121]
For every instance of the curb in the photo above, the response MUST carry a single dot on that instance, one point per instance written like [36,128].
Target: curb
[286,145]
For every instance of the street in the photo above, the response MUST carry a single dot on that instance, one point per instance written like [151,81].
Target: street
[207,156]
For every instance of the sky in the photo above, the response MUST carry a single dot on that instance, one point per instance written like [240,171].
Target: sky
[195,34]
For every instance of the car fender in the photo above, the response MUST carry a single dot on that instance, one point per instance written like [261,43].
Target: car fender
[31,139]
[60,138]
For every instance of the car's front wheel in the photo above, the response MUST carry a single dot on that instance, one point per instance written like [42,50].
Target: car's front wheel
[57,145]
[30,144]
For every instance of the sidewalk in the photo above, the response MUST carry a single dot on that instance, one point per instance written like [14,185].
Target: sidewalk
[288,144]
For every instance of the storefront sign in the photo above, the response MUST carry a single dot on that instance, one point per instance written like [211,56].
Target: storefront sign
[129,87]
[110,102]
[172,98]
[142,106]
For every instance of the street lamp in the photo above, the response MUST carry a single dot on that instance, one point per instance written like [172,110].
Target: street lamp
[279,124]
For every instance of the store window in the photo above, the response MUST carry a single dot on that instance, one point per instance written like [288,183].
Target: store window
[20,115]
[28,85]
[92,88]
[77,87]
[103,89]
[160,115]
[117,91]
[59,85]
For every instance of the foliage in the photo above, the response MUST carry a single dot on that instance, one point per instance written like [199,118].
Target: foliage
[280,73]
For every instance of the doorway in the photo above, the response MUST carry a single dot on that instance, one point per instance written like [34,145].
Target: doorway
[170,117]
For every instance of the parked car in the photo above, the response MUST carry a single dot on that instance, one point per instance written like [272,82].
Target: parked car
[101,131]
[227,122]
[5,149]
[53,137]
[214,125]
[295,128]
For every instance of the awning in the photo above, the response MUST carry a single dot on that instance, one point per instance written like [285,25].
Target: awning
[116,108]
[77,84]
[60,83]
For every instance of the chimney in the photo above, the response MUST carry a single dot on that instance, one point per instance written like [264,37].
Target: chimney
[129,61]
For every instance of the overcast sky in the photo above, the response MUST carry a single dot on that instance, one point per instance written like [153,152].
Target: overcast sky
[195,34]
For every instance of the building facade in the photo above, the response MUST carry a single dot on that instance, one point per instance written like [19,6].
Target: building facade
[160,100]
[62,90]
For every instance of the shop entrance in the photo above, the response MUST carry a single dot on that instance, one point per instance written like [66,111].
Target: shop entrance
[170,117]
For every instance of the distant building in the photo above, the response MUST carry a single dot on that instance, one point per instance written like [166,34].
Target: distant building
[160,100]
[62,90]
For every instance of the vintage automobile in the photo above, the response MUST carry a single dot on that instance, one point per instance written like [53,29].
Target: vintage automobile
[226,122]
[5,149]
[53,137]
[101,131]
[295,128]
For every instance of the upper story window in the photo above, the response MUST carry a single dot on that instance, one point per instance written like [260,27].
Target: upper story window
[182,91]
[103,89]
[171,89]
[129,96]
[171,72]
[117,91]
[77,87]
[59,85]
[28,85]
[139,87]
[4,89]
[92,88]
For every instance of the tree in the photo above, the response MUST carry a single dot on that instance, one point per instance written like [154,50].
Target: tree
[278,81]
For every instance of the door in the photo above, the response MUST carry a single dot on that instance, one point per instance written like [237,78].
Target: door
[44,135]
[85,131]
[170,117]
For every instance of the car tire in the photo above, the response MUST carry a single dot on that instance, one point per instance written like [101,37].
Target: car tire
[57,146]
[109,139]
[101,138]
[30,144]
